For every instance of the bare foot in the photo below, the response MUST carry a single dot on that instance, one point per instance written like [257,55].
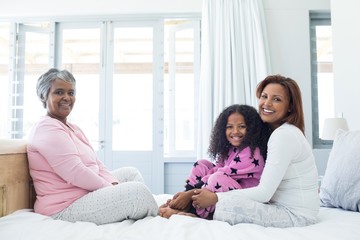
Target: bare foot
[187,214]
[167,212]
[165,204]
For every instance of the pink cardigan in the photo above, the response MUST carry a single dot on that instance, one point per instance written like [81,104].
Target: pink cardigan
[63,165]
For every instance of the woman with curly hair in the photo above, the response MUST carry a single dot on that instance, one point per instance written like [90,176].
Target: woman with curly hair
[238,144]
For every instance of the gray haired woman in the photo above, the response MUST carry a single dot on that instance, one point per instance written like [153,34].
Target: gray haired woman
[71,183]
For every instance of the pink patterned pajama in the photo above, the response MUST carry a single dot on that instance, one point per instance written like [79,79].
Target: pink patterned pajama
[239,170]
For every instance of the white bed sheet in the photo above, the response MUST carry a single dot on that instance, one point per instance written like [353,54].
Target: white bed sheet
[334,224]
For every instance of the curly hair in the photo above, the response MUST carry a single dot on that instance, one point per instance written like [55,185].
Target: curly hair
[257,132]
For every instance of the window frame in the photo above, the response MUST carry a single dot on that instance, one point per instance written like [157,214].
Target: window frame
[55,61]
[317,18]
[195,25]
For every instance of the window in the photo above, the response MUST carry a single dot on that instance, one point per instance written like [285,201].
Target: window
[133,83]
[4,78]
[321,74]
[118,56]
[78,50]
[181,75]
[32,48]
[137,82]
[36,62]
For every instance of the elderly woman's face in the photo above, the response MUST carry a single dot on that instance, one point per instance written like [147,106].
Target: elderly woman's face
[60,100]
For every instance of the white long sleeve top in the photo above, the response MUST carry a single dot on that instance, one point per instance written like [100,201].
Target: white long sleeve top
[289,177]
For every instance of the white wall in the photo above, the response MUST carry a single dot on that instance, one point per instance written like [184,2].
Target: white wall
[288,32]
[345,19]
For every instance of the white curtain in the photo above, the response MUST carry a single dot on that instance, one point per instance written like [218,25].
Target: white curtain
[234,58]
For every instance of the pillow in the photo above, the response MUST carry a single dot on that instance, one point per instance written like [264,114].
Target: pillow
[340,186]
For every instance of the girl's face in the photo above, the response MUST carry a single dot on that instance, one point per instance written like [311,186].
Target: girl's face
[60,100]
[274,105]
[235,129]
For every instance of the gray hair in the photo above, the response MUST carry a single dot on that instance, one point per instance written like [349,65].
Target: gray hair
[45,81]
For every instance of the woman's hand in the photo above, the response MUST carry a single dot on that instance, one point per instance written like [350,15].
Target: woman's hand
[204,198]
[181,200]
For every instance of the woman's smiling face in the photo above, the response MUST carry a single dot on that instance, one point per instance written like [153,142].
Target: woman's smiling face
[60,100]
[274,104]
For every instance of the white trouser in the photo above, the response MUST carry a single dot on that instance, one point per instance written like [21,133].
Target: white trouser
[243,210]
[130,199]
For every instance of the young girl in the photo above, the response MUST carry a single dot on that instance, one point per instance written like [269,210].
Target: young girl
[238,144]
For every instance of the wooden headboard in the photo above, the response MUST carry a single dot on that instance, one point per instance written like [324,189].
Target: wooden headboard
[16,188]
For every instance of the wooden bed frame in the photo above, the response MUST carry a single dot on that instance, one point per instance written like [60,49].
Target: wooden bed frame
[16,188]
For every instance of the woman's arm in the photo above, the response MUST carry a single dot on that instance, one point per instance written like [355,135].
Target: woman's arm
[54,143]
[103,171]
[283,147]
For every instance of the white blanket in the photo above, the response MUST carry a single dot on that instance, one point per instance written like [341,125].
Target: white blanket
[334,224]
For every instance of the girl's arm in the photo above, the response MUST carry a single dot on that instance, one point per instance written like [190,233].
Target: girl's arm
[243,164]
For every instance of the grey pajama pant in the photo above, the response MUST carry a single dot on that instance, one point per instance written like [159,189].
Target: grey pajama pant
[238,209]
[130,199]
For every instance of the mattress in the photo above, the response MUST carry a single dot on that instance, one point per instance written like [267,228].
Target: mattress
[333,224]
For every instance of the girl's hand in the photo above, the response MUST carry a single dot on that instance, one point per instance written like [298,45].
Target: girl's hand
[204,198]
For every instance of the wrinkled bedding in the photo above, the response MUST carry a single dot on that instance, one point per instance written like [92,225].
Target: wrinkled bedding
[333,224]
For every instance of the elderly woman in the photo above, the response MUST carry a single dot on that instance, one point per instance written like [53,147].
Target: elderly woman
[71,183]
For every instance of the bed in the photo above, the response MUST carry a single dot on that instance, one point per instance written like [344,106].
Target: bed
[333,224]
[339,216]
